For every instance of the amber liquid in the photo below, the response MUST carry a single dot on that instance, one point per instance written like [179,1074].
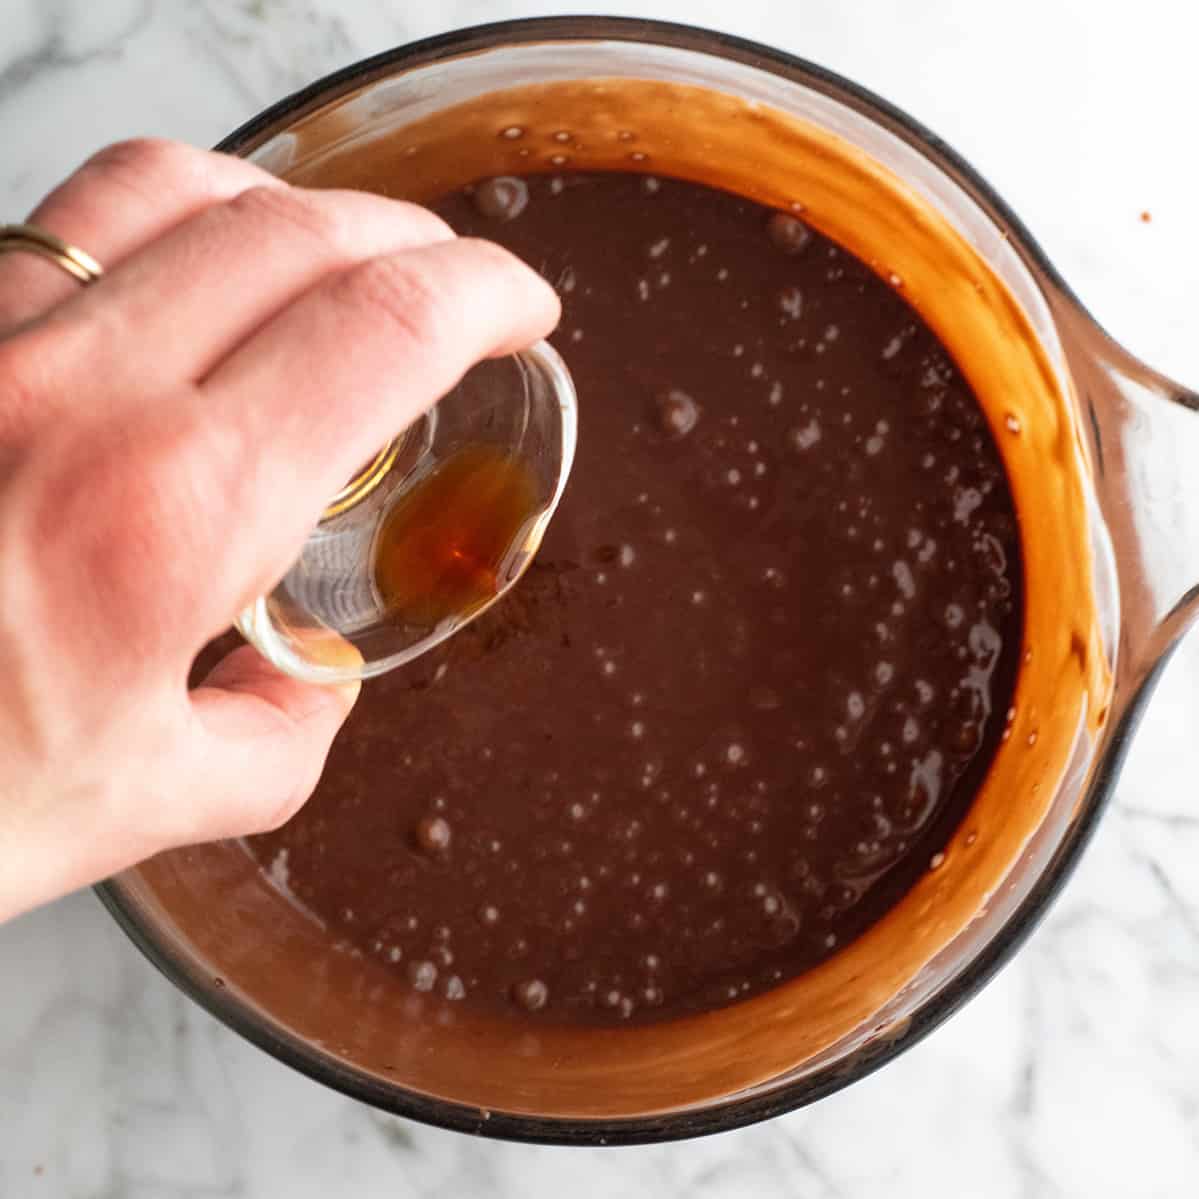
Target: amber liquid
[444,547]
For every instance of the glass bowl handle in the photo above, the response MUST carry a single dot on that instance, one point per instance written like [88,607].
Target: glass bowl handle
[1142,433]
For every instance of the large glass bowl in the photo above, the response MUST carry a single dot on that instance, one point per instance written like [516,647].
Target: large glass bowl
[1098,448]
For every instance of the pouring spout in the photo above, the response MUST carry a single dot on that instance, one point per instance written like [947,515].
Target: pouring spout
[1141,431]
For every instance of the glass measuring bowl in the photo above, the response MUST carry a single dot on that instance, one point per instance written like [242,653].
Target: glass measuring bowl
[1098,446]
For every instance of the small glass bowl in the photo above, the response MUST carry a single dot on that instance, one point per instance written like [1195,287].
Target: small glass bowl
[328,620]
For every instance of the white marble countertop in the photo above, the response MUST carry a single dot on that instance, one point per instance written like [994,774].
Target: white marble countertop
[1076,1073]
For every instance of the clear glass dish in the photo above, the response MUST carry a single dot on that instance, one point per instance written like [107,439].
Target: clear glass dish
[327,620]
[1099,449]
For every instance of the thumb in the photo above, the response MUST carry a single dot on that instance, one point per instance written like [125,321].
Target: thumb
[260,739]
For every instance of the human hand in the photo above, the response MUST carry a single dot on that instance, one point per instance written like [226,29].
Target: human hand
[168,437]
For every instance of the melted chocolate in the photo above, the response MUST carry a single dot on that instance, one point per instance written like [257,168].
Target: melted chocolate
[755,676]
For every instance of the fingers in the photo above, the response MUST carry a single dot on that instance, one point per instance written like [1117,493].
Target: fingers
[120,199]
[326,382]
[196,292]
[237,756]
[257,748]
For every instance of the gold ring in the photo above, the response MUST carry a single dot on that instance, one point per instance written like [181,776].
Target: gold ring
[79,264]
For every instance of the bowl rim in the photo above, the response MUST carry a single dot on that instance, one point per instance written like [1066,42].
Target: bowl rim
[758,1105]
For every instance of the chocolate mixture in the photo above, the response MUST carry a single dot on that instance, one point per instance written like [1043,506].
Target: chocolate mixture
[753,679]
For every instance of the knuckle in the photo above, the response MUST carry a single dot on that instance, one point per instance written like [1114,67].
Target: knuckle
[402,290]
[292,207]
[146,160]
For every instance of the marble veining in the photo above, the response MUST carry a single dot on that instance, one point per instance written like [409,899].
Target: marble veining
[1076,1073]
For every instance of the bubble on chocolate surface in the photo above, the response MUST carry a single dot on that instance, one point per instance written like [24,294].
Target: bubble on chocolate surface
[503,198]
[675,413]
[735,754]
[422,975]
[789,301]
[788,233]
[531,994]
[433,835]
[805,437]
